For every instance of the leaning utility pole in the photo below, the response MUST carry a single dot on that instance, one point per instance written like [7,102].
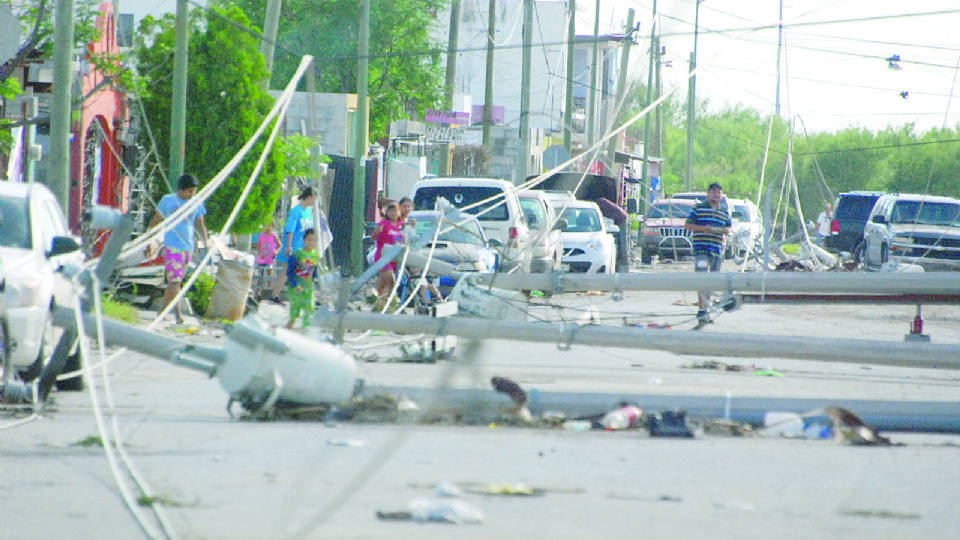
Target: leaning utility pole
[654,60]
[692,98]
[269,41]
[621,87]
[593,77]
[450,77]
[523,158]
[488,89]
[360,143]
[178,109]
[58,179]
[568,95]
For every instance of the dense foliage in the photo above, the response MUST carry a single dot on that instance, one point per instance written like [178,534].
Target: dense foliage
[225,105]
[405,73]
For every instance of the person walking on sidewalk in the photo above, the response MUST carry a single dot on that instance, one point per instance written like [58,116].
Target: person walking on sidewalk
[824,221]
[709,221]
[178,242]
[299,220]
[301,272]
[268,246]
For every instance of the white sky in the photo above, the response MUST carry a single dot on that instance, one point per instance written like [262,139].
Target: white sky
[833,74]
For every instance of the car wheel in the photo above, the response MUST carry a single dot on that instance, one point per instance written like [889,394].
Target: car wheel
[646,257]
[33,370]
[72,384]
[858,254]
[884,254]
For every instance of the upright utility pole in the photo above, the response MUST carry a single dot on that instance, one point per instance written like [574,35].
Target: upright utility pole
[779,47]
[593,77]
[360,143]
[58,179]
[523,159]
[568,95]
[488,88]
[178,109]
[450,77]
[621,85]
[691,98]
[654,60]
[269,41]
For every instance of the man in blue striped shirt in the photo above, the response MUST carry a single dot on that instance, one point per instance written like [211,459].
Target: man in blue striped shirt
[709,221]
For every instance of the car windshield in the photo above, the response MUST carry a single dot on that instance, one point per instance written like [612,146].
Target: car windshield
[533,213]
[582,220]
[667,210]
[14,225]
[745,210]
[462,196]
[925,213]
[467,232]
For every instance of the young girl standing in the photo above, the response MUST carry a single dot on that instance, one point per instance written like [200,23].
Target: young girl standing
[301,271]
[388,232]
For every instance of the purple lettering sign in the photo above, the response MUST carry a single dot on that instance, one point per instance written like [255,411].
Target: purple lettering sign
[497,116]
[447,117]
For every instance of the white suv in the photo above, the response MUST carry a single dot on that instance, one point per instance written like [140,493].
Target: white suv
[546,243]
[35,245]
[495,204]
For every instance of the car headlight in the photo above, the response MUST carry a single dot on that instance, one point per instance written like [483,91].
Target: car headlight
[903,239]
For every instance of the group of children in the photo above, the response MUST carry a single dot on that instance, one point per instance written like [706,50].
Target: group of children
[302,259]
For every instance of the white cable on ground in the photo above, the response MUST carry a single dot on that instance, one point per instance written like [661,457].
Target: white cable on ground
[145,488]
[128,498]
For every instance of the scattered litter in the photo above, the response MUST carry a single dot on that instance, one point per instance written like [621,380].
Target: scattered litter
[655,380]
[884,514]
[448,489]
[726,427]
[577,425]
[848,428]
[352,443]
[536,294]
[627,416]
[554,418]
[782,424]
[768,373]
[656,326]
[719,366]
[591,316]
[406,404]
[518,489]
[445,510]
[669,424]
[684,303]
[591,293]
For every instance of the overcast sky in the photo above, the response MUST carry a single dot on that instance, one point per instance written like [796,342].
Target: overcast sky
[833,74]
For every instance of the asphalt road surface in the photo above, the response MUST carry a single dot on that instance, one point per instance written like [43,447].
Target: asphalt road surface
[221,478]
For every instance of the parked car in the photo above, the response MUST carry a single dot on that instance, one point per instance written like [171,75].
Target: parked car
[662,232]
[747,227]
[850,213]
[588,244]
[546,244]
[461,243]
[917,229]
[35,245]
[496,206]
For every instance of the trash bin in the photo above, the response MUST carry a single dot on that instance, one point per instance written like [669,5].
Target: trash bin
[229,297]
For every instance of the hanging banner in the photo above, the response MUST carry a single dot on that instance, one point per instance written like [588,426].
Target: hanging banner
[447,117]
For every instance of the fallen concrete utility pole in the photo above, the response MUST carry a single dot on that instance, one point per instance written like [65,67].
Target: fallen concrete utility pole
[911,299]
[855,351]
[912,416]
[849,283]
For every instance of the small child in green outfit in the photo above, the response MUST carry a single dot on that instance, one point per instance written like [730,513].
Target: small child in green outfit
[301,271]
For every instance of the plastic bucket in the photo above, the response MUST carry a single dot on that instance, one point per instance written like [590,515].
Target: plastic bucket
[229,297]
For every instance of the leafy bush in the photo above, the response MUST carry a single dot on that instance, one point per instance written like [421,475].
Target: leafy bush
[199,293]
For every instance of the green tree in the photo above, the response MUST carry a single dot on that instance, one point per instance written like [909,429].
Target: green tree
[225,105]
[405,73]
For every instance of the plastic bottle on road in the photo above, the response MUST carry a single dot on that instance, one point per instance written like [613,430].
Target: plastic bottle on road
[625,417]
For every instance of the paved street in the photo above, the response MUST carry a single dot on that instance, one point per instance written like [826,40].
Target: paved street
[221,478]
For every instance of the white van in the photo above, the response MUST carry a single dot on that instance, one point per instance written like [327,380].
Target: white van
[499,213]
[546,243]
